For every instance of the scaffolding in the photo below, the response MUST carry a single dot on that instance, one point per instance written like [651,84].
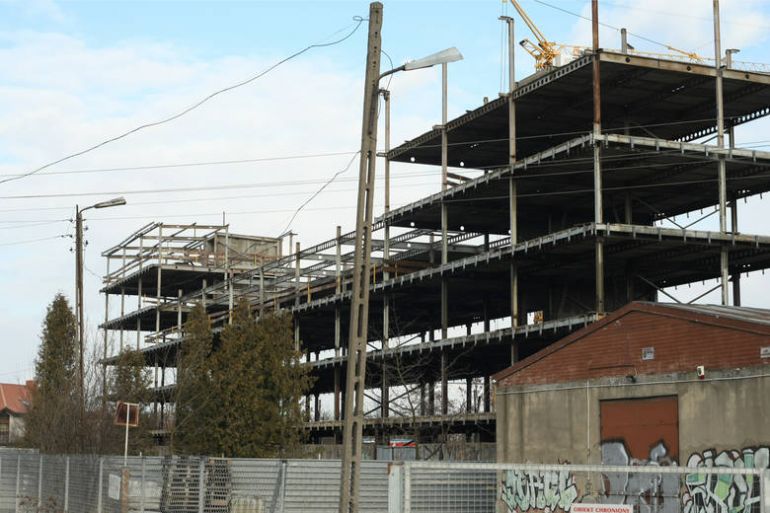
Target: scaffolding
[530,250]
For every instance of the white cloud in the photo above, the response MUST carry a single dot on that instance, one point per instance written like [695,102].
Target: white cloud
[60,95]
[686,24]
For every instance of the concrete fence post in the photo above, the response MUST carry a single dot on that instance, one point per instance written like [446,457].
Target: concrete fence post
[66,484]
[99,501]
[40,483]
[284,471]
[764,490]
[141,487]
[201,486]
[18,483]
[395,488]
[407,488]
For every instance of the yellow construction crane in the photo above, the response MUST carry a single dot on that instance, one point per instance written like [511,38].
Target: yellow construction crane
[544,52]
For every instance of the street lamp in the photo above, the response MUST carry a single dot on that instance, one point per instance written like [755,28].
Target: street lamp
[359,304]
[115,202]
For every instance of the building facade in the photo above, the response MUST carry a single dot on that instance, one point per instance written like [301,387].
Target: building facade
[14,400]
[652,383]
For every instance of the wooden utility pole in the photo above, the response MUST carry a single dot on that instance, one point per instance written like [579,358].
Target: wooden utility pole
[79,307]
[359,305]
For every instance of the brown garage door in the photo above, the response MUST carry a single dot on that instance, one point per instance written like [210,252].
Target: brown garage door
[644,429]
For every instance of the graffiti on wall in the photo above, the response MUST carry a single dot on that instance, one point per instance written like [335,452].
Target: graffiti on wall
[543,491]
[724,492]
[651,492]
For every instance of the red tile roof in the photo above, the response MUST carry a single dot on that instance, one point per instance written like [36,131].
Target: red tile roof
[14,398]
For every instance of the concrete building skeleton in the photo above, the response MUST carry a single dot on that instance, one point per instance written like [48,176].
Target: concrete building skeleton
[561,227]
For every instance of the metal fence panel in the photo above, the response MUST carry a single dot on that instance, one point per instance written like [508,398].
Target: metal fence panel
[7,483]
[258,482]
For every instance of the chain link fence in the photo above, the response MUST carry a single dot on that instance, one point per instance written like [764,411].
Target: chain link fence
[431,487]
[32,483]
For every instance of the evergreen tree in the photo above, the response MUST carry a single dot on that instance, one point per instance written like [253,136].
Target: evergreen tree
[286,381]
[193,393]
[257,383]
[53,420]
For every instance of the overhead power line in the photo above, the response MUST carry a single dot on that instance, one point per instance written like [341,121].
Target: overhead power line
[30,241]
[189,164]
[167,201]
[319,191]
[578,15]
[359,20]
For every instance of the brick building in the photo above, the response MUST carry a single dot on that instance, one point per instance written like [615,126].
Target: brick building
[650,383]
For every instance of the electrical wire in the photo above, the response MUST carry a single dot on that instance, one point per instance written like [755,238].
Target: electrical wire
[30,241]
[359,20]
[211,214]
[698,161]
[634,6]
[189,164]
[340,153]
[218,198]
[325,183]
[319,191]
[32,224]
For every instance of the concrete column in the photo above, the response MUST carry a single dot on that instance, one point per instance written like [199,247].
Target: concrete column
[307,397]
[179,310]
[162,400]
[296,333]
[628,213]
[734,226]
[338,327]
[122,313]
[487,394]
[468,395]
[297,291]
[422,399]
[337,365]
[444,383]
[431,398]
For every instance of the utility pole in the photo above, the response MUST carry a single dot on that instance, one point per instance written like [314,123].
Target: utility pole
[722,166]
[359,306]
[79,304]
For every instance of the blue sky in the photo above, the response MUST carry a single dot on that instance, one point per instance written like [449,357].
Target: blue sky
[75,73]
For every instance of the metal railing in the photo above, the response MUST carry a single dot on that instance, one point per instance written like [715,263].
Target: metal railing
[36,483]
[94,484]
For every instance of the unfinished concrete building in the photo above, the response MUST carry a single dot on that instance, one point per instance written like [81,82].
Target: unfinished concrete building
[563,224]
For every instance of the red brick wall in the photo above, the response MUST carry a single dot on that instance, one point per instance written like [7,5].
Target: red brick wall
[616,350]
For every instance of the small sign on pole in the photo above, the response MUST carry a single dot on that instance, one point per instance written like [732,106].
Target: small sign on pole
[127,413]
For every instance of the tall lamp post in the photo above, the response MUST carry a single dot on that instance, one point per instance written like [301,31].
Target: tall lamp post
[115,202]
[359,305]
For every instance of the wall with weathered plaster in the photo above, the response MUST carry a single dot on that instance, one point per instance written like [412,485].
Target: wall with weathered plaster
[728,411]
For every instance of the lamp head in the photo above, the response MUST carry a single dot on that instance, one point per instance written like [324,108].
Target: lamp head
[115,202]
[444,56]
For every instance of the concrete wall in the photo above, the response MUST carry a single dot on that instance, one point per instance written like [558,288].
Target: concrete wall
[16,428]
[729,410]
